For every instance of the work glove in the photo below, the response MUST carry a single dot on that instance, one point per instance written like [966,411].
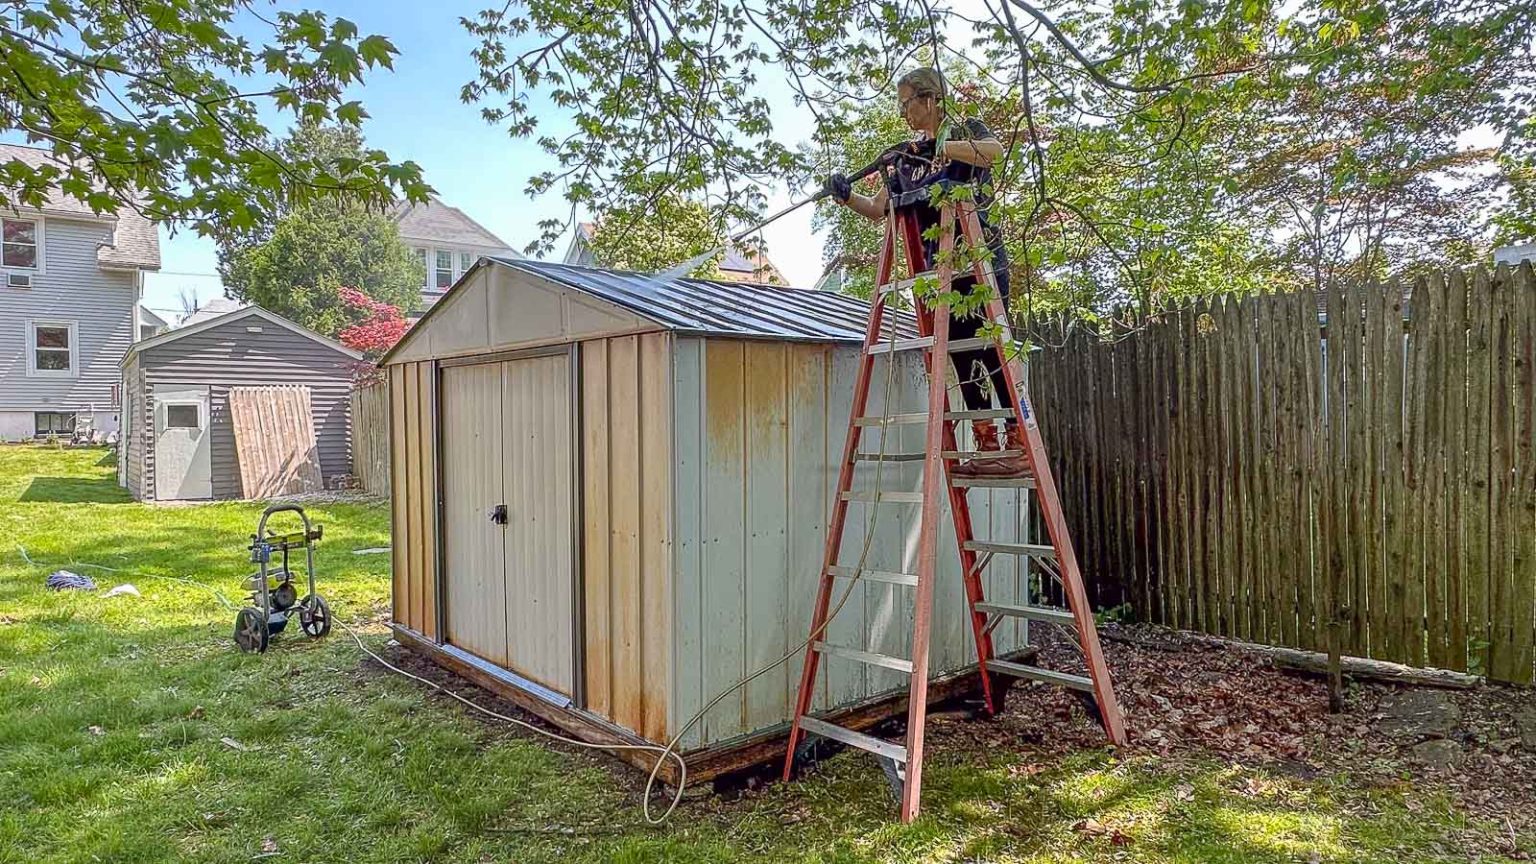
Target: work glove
[839,187]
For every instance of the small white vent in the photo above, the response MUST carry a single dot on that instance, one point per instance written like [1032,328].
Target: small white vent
[253,329]
[18,280]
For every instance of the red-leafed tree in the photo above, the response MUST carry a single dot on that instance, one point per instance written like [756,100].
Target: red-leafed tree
[376,327]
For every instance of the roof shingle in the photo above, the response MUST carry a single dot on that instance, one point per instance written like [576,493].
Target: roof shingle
[436,221]
[136,242]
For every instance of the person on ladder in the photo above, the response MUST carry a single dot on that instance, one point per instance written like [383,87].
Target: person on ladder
[966,157]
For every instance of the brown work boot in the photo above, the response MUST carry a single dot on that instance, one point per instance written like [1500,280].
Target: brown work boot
[985,433]
[1013,465]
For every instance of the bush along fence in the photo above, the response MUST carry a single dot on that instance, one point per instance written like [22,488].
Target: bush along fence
[370,436]
[1282,467]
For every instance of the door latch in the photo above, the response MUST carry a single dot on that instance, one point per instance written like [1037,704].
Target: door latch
[499,514]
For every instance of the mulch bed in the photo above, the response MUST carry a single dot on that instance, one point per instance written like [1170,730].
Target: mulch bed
[1185,695]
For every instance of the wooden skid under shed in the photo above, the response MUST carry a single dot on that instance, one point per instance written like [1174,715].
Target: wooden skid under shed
[761,748]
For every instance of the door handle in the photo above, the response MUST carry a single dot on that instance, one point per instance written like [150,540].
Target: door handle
[499,514]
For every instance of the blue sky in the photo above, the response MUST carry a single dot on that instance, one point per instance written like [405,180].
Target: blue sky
[416,114]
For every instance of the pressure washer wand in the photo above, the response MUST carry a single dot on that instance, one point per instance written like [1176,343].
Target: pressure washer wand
[683,269]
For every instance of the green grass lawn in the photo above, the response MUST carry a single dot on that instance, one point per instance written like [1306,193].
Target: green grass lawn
[116,710]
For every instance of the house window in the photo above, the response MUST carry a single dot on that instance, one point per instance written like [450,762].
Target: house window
[182,417]
[147,331]
[421,258]
[444,269]
[466,261]
[48,423]
[20,247]
[51,348]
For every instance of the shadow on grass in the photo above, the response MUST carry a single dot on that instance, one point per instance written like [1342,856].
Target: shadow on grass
[75,490]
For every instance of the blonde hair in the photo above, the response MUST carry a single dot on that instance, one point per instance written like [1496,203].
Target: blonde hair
[924,81]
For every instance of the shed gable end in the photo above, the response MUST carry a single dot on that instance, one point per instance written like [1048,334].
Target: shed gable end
[496,308]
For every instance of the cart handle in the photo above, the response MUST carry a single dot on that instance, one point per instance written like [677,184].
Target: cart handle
[272,509]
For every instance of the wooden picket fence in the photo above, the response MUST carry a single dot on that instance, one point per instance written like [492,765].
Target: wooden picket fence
[370,436]
[1267,468]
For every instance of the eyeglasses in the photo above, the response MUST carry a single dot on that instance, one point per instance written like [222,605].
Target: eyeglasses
[901,104]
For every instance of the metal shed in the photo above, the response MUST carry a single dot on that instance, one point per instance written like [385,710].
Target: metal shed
[178,438]
[611,498]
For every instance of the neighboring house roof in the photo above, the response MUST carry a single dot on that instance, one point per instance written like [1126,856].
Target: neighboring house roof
[212,321]
[719,308]
[1515,253]
[434,221]
[212,309]
[737,265]
[135,242]
[147,316]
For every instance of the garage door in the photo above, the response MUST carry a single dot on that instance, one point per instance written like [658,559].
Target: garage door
[507,516]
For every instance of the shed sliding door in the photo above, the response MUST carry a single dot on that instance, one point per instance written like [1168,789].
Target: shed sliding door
[506,448]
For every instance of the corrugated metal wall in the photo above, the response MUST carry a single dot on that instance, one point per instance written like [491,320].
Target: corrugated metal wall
[413,491]
[759,430]
[627,532]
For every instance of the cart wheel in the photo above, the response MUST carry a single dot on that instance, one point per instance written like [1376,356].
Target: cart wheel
[314,616]
[250,630]
[284,596]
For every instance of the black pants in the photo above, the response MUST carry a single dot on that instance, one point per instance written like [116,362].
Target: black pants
[979,370]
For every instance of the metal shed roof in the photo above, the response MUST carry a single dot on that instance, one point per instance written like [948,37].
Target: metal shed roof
[705,307]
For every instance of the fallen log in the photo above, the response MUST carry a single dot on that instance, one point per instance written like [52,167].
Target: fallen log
[1314,662]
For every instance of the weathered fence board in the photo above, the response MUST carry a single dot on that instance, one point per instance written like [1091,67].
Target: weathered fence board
[1272,467]
[370,437]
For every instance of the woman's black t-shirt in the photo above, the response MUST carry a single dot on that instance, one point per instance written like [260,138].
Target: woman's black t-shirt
[910,181]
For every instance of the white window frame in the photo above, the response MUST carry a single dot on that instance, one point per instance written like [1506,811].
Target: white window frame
[425,255]
[31,325]
[38,240]
[456,253]
[164,420]
[453,268]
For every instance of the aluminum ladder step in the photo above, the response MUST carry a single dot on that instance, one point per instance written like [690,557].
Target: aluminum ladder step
[869,743]
[922,417]
[890,346]
[901,285]
[889,457]
[887,576]
[981,455]
[1035,673]
[1032,550]
[1033,613]
[883,497]
[900,664]
[993,483]
[908,284]
[951,455]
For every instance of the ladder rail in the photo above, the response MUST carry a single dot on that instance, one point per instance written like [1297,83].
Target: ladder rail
[934,472]
[839,517]
[1045,491]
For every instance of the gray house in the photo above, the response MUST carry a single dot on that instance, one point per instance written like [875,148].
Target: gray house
[178,436]
[70,282]
[446,242]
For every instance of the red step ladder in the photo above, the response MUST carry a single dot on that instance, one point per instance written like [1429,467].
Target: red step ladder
[904,763]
